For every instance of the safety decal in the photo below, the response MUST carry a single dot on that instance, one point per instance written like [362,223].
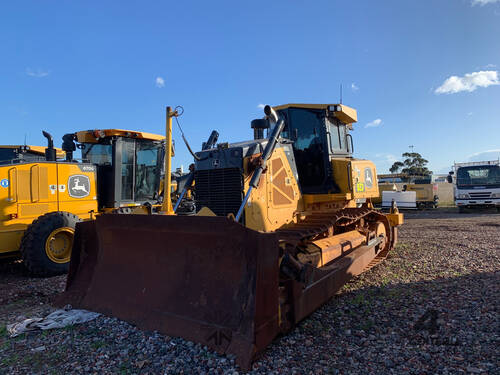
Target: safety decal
[368,178]
[360,187]
[78,186]
[4,183]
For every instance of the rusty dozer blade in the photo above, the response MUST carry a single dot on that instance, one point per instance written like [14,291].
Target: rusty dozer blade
[206,279]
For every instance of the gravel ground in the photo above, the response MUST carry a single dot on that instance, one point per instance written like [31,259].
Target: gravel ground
[431,308]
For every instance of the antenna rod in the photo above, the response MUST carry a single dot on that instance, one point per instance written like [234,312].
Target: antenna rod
[340,93]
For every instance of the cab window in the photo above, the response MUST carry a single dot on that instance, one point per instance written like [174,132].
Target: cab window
[306,127]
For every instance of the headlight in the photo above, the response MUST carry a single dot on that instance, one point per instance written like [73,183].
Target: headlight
[463,196]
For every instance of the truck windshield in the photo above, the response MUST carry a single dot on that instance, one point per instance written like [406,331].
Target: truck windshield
[487,175]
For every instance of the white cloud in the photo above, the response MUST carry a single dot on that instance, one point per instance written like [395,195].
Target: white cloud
[354,87]
[485,155]
[160,82]
[483,2]
[261,106]
[490,66]
[38,73]
[469,114]
[373,124]
[469,82]
[389,158]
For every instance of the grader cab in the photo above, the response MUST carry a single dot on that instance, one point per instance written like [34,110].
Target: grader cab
[43,196]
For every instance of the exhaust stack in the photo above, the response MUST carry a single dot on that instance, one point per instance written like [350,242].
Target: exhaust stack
[50,151]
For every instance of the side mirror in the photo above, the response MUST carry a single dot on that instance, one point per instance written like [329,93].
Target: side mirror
[449,179]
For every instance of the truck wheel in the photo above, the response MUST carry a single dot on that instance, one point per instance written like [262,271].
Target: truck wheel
[46,245]
[461,210]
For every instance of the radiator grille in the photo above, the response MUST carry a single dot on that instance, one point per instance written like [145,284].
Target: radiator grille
[220,190]
[481,195]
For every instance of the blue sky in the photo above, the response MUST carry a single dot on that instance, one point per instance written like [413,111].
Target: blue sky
[422,73]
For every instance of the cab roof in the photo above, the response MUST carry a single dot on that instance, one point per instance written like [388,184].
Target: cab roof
[93,136]
[39,150]
[345,114]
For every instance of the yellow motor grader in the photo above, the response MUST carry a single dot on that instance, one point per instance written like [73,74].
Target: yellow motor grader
[42,197]
[278,232]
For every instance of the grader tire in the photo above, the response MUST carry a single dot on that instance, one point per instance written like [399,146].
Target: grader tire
[46,244]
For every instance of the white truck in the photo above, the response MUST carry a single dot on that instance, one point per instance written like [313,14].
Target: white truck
[477,184]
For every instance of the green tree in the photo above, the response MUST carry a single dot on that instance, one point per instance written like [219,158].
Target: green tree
[413,164]
[396,167]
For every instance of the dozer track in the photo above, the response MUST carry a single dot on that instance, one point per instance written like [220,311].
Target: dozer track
[297,279]
[319,225]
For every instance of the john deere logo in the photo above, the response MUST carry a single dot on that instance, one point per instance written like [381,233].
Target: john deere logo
[368,178]
[78,186]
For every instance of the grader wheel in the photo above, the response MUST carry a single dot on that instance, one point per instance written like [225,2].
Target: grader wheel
[47,243]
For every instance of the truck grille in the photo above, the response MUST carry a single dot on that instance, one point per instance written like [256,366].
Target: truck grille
[220,190]
[481,195]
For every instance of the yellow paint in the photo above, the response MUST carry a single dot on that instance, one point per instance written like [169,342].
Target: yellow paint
[205,211]
[167,208]
[93,136]
[323,198]
[276,199]
[35,189]
[395,219]
[346,115]
[59,244]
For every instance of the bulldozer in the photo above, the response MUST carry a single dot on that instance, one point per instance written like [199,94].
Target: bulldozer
[279,230]
[42,197]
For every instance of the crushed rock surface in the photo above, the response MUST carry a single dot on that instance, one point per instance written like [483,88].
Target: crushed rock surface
[431,308]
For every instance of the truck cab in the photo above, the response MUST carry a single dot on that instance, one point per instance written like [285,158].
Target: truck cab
[477,184]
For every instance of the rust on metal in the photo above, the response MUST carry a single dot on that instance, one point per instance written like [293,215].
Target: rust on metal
[216,282]
[207,279]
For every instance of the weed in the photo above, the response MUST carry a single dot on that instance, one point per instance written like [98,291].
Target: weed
[97,344]
[367,325]
[9,361]
[124,368]
[359,299]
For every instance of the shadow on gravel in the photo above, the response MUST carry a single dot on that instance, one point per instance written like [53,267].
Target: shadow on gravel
[11,270]
[446,325]
[421,327]
[450,213]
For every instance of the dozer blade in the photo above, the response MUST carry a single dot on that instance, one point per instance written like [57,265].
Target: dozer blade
[207,279]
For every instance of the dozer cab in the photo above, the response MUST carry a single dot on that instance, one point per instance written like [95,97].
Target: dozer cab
[42,196]
[280,229]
